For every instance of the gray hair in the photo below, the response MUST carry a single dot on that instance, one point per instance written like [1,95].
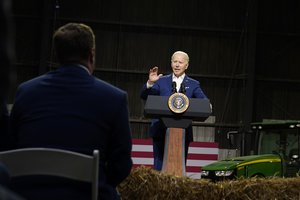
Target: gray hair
[183,53]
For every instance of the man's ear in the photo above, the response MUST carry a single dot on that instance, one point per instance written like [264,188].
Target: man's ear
[187,66]
[92,56]
[92,59]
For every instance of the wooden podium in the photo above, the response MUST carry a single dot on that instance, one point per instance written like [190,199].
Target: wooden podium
[174,152]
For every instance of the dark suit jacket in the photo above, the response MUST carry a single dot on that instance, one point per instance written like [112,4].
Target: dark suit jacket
[70,109]
[163,87]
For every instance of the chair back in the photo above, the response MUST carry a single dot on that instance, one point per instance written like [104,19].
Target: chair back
[53,162]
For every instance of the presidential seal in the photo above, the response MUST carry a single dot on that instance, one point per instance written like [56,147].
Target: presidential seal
[178,102]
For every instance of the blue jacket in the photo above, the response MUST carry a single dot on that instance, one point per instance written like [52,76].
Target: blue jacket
[70,109]
[163,87]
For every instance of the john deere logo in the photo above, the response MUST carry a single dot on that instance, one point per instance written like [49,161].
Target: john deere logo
[178,102]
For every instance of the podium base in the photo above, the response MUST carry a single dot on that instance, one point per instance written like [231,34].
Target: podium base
[174,152]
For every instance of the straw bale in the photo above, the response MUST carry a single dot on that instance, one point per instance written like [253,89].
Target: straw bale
[148,184]
[145,183]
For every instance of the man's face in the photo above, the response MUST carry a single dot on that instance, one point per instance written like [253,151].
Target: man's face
[179,64]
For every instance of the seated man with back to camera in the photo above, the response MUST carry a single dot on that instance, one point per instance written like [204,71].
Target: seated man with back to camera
[68,108]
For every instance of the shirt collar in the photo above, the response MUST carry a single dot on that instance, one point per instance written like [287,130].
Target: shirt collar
[83,67]
[179,78]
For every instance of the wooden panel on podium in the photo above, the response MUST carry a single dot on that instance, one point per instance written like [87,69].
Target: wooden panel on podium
[174,153]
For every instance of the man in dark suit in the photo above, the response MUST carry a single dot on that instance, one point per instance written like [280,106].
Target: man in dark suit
[70,109]
[158,84]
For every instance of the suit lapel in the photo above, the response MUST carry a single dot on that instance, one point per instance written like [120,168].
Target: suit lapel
[187,85]
[170,79]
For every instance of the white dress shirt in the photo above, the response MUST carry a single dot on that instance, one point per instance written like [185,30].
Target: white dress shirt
[178,81]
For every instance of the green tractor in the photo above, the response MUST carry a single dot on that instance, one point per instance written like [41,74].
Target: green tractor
[276,150]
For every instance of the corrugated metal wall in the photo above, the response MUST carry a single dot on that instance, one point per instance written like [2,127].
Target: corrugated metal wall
[134,35]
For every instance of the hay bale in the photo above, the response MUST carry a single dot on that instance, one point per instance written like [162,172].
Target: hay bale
[147,184]
[261,188]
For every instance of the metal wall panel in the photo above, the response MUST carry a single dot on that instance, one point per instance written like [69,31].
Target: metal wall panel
[134,35]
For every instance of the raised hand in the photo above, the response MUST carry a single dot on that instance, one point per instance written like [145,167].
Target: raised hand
[153,75]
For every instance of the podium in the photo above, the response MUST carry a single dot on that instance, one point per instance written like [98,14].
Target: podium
[176,123]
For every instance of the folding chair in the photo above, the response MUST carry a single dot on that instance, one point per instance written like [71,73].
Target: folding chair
[53,162]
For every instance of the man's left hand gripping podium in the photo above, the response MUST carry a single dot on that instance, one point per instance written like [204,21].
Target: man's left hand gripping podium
[177,113]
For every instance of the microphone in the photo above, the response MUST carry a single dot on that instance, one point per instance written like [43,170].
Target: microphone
[182,88]
[174,90]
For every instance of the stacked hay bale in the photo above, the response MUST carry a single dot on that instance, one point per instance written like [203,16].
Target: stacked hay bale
[147,184]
